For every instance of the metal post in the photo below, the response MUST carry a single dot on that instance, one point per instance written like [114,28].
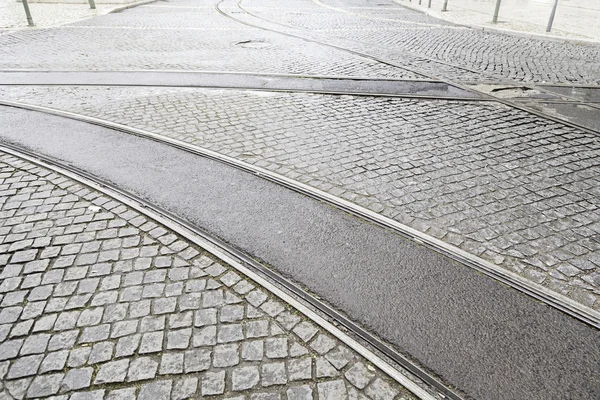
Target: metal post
[496,11]
[429,4]
[28,13]
[445,8]
[551,20]
[420,2]
[92,4]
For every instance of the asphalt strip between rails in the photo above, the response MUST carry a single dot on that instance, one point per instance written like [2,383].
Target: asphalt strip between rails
[486,339]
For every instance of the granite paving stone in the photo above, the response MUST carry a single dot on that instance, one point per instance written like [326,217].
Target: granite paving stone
[210,339]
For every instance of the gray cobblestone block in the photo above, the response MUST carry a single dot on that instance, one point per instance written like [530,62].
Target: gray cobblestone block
[322,344]
[76,379]
[10,284]
[257,328]
[122,394]
[158,390]
[276,347]
[142,368]
[123,328]
[297,349]
[126,346]
[179,339]
[155,276]
[153,291]
[54,361]
[63,340]
[112,372]
[78,357]
[256,297]
[110,282]
[232,313]
[332,390]
[197,360]
[243,287]
[380,390]
[184,389]
[31,281]
[18,388]
[171,363]
[104,298]
[207,316]
[253,350]
[191,301]
[66,320]
[213,383]
[244,378]
[205,336]
[152,342]
[76,273]
[133,278]
[20,329]
[92,395]
[101,352]
[40,293]
[45,323]
[78,301]
[45,385]
[213,298]
[24,256]
[324,369]
[181,320]
[95,334]
[359,375]
[35,344]
[230,333]
[196,286]
[273,374]
[339,356]
[65,289]
[152,323]
[88,285]
[10,315]
[300,369]
[174,289]
[25,366]
[303,392]
[288,320]
[164,305]
[90,317]
[114,312]
[226,355]
[139,308]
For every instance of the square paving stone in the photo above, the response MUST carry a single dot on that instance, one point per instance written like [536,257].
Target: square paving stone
[276,347]
[332,390]
[244,378]
[78,357]
[63,340]
[54,361]
[101,352]
[303,392]
[112,372]
[45,385]
[253,350]
[25,366]
[158,390]
[273,374]
[179,339]
[122,394]
[126,346]
[76,379]
[142,368]
[152,342]
[171,363]
[206,336]
[226,356]
[197,360]
[184,389]
[213,383]
[300,369]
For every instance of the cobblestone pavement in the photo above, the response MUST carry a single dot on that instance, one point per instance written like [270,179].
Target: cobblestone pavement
[517,190]
[99,302]
[12,14]
[420,40]
[179,37]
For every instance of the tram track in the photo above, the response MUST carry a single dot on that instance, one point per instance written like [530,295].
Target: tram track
[538,292]
[417,71]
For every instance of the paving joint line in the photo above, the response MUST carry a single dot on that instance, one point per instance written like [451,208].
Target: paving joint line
[238,260]
[534,290]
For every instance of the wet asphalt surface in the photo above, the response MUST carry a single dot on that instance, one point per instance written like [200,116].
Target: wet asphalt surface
[482,337]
